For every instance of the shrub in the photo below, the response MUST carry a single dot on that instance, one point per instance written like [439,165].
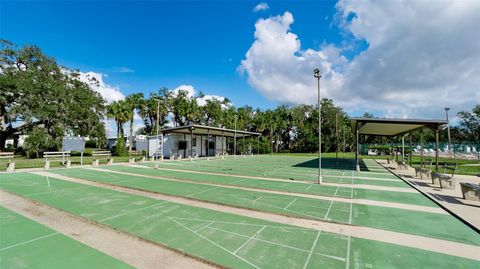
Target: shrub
[37,142]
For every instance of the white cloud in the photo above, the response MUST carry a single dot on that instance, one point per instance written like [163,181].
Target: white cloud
[281,71]
[260,7]
[421,56]
[191,92]
[96,83]
[187,88]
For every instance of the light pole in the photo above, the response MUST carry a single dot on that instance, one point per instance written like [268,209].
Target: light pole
[158,139]
[448,130]
[316,74]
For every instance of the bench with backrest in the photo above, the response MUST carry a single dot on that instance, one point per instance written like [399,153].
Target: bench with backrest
[470,191]
[9,156]
[101,154]
[134,155]
[423,170]
[402,164]
[56,156]
[445,180]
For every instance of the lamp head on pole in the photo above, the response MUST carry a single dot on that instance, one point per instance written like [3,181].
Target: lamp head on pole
[316,73]
[447,108]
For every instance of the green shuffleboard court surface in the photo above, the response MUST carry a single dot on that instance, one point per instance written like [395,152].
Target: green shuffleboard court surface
[393,219]
[287,186]
[298,168]
[28,244]
[222,238]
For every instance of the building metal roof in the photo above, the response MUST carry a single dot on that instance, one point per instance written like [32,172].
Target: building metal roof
[392,127]
[204,130]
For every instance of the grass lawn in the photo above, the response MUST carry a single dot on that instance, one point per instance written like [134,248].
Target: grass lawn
[23,162]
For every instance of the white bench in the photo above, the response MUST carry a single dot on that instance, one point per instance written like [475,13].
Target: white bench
[470,191]
[97,154]
[56,155]
[423,170]
[444,180]
[9,156]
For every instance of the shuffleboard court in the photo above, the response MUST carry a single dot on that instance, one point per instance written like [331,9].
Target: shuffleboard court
[392,219]
[277,167]
[222,238]
[28,244]
[286,186]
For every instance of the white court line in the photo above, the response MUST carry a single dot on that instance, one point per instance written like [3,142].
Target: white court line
[290,203]
[193,194]
[277,244]
[347,259]
[249,239]
[308,187]
[29,241]
[311,250]
[328,210]
[213,243]
[248,224]
[132,211]
[45,192]
[260,197]
[205,226]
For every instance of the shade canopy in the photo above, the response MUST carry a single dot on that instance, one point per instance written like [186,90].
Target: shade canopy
[207,130]
[392,127]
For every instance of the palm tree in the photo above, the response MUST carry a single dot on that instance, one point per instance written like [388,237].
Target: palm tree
[133,101]
[118,111]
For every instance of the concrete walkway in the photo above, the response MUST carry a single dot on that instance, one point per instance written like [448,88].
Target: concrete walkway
[453,200]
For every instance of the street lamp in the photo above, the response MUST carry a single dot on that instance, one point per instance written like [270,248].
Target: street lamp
[316,74]
[448,130]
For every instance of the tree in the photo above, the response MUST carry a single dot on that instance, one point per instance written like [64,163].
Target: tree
[469,124]
[36,92]
[134,102]
[121,113]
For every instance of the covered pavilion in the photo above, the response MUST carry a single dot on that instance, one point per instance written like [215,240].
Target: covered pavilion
[395,127]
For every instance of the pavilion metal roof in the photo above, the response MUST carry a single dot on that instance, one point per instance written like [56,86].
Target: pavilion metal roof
[392,127]
[204,130]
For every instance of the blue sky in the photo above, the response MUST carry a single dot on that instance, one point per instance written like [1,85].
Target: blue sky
[163,43]
[392,58]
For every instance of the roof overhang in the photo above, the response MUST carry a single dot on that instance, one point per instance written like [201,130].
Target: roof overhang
[392,127]
[207,130]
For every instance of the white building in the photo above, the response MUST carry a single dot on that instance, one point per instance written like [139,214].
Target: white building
[207,141]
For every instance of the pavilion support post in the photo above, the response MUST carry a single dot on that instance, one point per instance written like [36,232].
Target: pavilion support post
[437,131]
[421,147]
[208,145]
[201,146]
[258,143]
[244,152]
[191,144]
[185,150]
[411,150]
[223,153]
[357,166]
